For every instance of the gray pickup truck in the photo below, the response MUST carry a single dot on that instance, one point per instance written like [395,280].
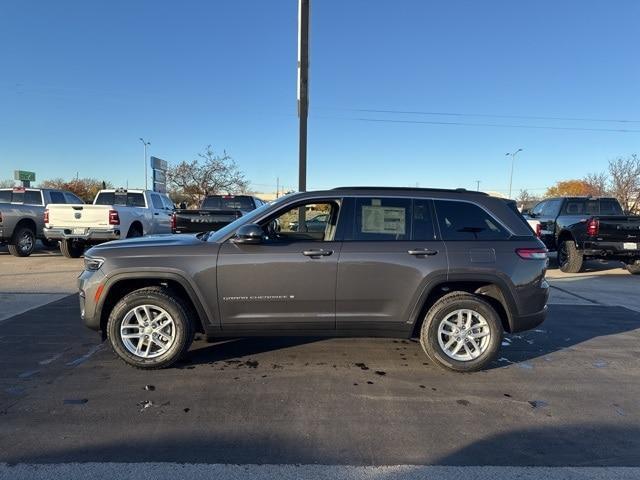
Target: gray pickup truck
[22,217]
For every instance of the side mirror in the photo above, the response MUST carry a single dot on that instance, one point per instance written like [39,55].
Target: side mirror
[250,233]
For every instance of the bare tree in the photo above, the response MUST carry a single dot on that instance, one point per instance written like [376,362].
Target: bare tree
[210,174]
[625,181]
[597,184]
[85,188]
[6,183]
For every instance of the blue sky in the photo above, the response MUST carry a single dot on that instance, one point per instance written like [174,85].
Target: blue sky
[82,81]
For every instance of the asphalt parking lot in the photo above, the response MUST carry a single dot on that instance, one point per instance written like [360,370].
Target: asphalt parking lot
[565,394]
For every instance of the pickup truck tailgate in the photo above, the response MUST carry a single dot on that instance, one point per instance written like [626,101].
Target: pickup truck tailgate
[70,216]
[201,220]
[618,228]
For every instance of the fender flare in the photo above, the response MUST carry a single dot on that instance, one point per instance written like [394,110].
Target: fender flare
[207,319]
[432,282]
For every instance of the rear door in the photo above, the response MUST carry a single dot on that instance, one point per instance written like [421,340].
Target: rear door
[390,251]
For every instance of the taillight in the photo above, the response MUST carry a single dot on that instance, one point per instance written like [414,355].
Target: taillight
[46,216]
[532,253]
[593,226]
[114,218]
[0,217]
[173,221]
[539,230]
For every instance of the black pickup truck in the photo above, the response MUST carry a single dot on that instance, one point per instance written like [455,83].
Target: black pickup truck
[581,228]
[215,212]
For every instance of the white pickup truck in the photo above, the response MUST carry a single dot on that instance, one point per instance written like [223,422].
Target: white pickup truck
[114,214]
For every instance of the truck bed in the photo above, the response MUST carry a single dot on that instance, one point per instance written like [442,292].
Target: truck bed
[203,220]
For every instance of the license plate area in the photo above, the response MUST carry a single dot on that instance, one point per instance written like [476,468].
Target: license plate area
[79,231]
[630,246]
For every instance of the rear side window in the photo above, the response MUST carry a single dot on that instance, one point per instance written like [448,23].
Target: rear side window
[379,219]
[33,197]
[57,197]
[422,224]
[466,221]
[551,208]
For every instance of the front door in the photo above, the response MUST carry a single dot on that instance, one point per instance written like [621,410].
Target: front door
[389,254]
[288,281]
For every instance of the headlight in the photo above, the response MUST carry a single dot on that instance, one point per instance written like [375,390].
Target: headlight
[93,263]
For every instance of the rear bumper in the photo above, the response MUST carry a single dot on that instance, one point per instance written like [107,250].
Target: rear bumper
[527,322]
[90,234]
[612,249]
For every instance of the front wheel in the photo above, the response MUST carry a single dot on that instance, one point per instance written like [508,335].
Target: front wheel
[72,248]
[461,332]
[23,243]
[150,328]
[634,268]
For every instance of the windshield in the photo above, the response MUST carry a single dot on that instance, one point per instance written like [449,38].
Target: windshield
[248,218]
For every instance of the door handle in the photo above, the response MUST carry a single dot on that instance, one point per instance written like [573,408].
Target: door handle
[317,253]
[422,251]
[156,213]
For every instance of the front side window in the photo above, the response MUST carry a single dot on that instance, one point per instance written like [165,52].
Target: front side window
[156,201]
[466,221]
[57,197]
[308,222]
[537,210]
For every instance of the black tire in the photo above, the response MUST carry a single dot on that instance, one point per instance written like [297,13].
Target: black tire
[634,268]
[174,305]
[72,248]
[569,257]
[49,244]
[134,231]
[23,242]
[440,311]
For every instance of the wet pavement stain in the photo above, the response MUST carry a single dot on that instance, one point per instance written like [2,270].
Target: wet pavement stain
[149,388]
[362,366]
[538,403]
[75,401]
[380,372]
[464,403]
[252,363]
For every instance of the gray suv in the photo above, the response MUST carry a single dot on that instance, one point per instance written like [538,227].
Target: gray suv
[454,268]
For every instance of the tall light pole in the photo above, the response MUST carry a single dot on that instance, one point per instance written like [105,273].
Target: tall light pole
[477,185]
[303,90]
[146,144]
[513,160]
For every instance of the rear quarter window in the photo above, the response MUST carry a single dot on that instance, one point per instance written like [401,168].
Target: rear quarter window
[467,221]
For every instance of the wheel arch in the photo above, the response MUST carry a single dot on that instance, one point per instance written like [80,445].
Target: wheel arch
[491,288]
[25,222]
[118,285]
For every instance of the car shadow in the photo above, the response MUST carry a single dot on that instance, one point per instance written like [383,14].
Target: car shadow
[589,266]
[235,348]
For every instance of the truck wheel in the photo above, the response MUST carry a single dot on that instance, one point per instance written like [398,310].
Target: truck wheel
[23,242]
[72,248]
[569,257]
[134,231]
[49,244]
[150,328]
[634,268]
[461,332]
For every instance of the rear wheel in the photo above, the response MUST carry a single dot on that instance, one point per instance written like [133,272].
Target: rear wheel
[150,328]
[23,242]
[71,248]
[134,231]
[634,268]
[462,332]
[569,257]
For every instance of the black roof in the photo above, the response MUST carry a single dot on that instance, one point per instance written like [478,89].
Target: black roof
[414,189]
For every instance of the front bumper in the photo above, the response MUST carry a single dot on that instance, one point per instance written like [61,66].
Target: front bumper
[90,285]
[89,235]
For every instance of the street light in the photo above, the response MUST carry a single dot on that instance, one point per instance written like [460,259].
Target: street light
[513,159]
[146,144]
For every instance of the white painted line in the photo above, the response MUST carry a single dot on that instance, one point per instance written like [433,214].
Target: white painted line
[172,471]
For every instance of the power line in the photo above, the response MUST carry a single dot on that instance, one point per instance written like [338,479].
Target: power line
[488,115]
[499,125]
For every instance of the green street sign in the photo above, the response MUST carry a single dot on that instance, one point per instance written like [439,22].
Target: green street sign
[24,176]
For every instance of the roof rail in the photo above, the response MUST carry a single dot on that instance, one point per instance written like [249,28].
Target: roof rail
[413,189]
